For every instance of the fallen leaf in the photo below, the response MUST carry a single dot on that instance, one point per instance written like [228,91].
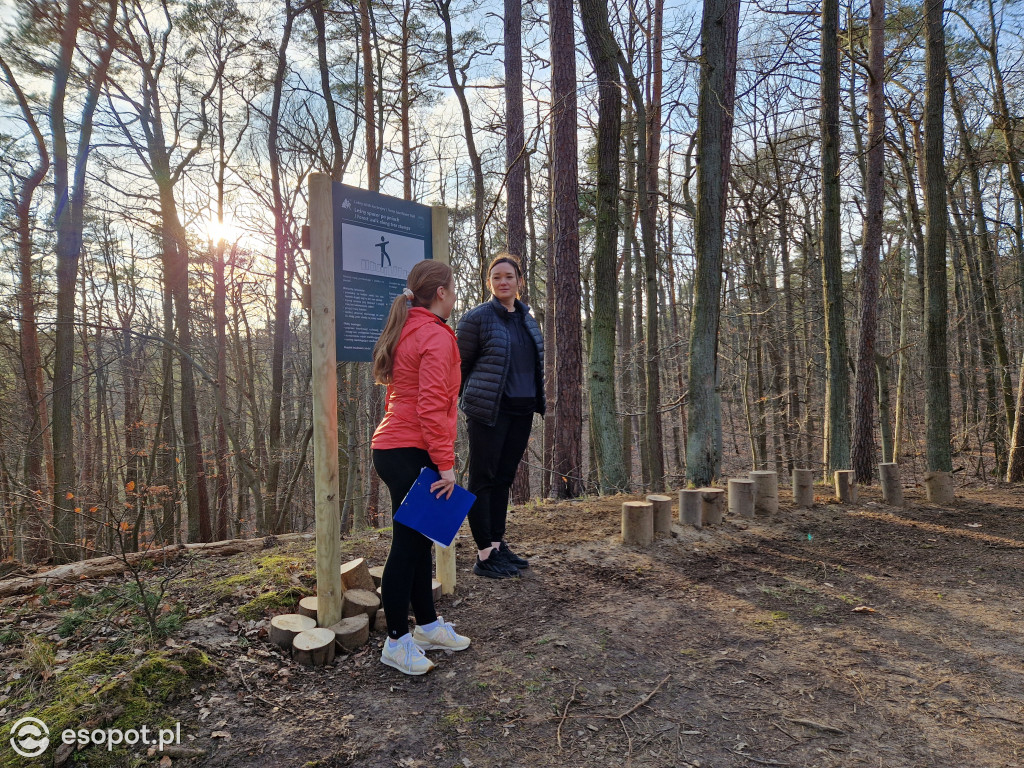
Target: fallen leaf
[863,609]
[221,735]
[165,762]
[973,525]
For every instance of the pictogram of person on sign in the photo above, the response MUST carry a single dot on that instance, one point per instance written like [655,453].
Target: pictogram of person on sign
[383,251]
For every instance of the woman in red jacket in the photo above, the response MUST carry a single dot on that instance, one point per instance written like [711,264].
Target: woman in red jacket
[417,358]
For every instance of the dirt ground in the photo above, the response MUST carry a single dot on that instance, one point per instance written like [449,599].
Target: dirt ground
[857,635]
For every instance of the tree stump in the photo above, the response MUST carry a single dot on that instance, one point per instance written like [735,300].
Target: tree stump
[314,647]
[357,601]
[380,621]
[712,505]
[352,632]
[892,488]
[803,488]
[846,489]
[662,514]
[741,497]
[307,607]
[356,575]
[637,522]
[938,487]
[689,507]
[766,491]
[377,573]
[285,627]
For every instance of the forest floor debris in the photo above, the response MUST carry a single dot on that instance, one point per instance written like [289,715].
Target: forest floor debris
[744,644]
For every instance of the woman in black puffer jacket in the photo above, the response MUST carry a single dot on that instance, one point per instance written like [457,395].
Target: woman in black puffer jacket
[502,352]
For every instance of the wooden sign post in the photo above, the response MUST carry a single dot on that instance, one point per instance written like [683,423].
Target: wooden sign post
[325,401]
[444,557]
[324,296]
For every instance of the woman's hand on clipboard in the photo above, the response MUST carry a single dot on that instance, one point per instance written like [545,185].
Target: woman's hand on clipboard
[445,485]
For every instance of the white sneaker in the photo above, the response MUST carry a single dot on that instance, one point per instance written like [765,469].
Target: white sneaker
[442,638]
[406,656]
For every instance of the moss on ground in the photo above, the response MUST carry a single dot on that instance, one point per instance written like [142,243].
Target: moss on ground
[103,689]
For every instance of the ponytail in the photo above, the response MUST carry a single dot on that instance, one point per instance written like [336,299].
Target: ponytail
[421,287]
[384,349]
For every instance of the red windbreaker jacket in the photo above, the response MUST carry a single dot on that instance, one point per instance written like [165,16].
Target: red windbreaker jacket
[421,399]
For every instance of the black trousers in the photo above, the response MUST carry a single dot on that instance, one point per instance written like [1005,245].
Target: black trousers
[407,572]
[494,456]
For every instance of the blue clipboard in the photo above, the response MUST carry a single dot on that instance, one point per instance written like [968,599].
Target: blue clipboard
[437,519]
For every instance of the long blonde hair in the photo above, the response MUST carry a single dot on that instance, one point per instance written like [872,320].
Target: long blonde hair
[424,279]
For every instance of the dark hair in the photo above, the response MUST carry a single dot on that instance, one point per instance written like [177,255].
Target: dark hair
[424,279]
[506,258]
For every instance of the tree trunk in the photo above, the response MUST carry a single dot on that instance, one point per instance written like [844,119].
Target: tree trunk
[568,446]
[607,437]
[69,204]
[223,484]
[551,339]
[479,192]
[1015,466]
[319,24]
[837,448]
[863,450]
[405,102]
[993,313]
[515,141]
[903,358]
[30,543]
[703,446]
[937,422]
[176,270]
[372,166]
[277,516]
[649,190]
[974,309]
[515,184]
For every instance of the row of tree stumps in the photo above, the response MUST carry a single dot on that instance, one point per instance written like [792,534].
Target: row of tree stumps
[744,497]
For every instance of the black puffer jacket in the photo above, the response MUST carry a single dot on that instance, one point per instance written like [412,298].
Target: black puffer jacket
[485,346]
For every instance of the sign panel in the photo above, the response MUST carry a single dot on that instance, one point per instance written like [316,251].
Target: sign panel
[377,240]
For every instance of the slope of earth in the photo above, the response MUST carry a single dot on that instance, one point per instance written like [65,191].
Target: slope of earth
[856,635]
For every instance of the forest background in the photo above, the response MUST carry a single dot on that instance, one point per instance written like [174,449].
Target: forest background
[732,238]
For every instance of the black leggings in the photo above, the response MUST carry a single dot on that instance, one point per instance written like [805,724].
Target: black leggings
[494,455]
[407,572]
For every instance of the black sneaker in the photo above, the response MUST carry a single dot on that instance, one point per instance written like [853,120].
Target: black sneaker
[511,557]
[494,568]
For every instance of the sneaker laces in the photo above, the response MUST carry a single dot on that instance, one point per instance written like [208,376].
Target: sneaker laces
[408,651]
[447,628]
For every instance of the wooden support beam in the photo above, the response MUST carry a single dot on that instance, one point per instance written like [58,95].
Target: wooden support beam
[325,401]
